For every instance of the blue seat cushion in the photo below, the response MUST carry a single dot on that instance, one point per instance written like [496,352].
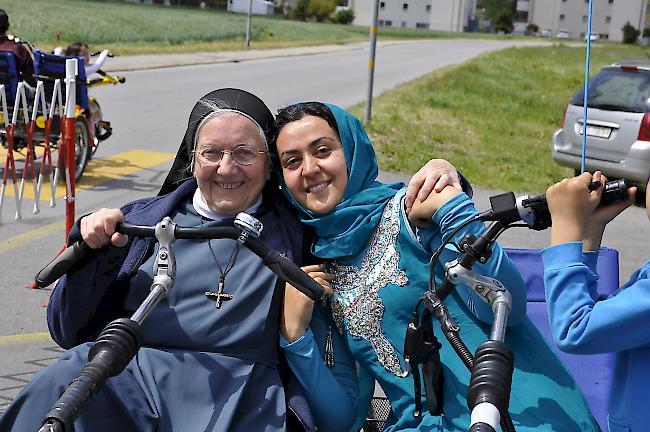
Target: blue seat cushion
[9,75]
[49,67]
[592,373]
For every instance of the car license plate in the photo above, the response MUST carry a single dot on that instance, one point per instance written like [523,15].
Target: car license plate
[596,131]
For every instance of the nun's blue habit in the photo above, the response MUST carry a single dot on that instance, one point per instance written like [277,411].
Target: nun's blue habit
[381,269]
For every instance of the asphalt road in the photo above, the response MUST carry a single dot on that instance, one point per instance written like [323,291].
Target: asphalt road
[149,113]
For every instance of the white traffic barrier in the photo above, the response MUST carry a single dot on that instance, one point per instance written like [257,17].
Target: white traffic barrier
[10,164]
[66,144]
[48,119]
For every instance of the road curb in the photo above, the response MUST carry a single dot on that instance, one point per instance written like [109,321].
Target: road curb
[160,61]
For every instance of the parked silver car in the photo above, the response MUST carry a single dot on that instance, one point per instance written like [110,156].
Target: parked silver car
[618,124]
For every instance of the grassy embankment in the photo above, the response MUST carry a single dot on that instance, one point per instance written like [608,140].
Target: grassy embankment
[128,28]
[493,117]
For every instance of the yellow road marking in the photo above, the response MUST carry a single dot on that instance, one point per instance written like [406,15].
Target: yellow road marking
[97,172]
[33,234]
[25,338]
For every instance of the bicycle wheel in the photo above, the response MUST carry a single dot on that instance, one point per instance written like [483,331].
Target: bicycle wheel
[82,150]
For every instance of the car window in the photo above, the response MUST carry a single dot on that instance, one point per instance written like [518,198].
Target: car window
[618,90]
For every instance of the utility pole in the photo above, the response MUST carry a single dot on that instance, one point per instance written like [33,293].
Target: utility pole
[249,23]
[371,61]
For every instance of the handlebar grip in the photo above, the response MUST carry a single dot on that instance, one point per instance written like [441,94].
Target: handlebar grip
[61,264]
[481,427]
[290,272]
[108,357]
[135,230]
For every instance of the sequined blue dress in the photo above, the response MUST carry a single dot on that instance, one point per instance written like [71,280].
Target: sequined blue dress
[376,292]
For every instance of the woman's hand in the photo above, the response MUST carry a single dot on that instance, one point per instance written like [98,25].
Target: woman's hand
[298,307]
[98,229]
[435,175]
[421,212]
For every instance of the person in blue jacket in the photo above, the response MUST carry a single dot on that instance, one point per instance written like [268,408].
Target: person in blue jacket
[581,322]
[375,260]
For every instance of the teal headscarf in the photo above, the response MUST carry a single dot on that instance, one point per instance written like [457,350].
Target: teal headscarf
[346,229]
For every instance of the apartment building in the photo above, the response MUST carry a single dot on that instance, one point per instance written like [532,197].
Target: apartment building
[571,16]
[445,15]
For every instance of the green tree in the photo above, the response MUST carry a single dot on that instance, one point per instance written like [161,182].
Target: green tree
[630,33]
[320,10]
[532,29]
[299,11]
[344,16]
[494,8]
[503,22]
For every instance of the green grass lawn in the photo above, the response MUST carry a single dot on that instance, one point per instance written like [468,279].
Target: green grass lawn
[493,117]
[128,28]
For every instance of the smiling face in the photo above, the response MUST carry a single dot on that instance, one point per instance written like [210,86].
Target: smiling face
[313,163]
[228,187]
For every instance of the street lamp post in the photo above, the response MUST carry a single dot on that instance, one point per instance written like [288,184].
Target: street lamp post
[371,61]
[249,23]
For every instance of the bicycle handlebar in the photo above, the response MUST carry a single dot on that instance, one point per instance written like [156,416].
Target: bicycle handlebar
[279,264]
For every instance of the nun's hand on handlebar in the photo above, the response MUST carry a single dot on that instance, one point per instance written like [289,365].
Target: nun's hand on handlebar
[298,308]
[98,229]
[435,175]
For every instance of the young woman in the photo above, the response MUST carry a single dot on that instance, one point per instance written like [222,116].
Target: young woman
[378,265]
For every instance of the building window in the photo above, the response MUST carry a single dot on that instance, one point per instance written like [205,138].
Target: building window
[382,5]
[389,23]
[608,19]
[585,18]
[405,6]
[422,25]
[428,8]
[611,1]
[561,17]
[381,23]
[403,24]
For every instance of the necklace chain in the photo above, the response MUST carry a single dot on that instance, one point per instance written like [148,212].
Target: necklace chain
[229,264]
[220,296]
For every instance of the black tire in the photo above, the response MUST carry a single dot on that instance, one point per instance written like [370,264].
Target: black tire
[82,147]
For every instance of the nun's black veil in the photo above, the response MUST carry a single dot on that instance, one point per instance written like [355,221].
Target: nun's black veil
[229,98]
